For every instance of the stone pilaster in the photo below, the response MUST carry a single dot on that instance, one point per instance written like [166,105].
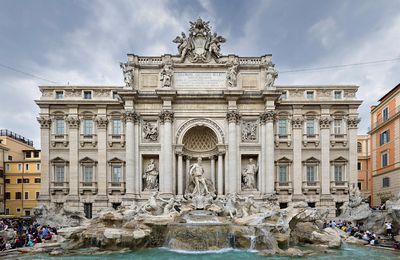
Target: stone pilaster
[130,117]
[45,124]
[73,135]
[232,176]
[136,172]
[262,161]
[325,123]
[220,174]
[102,123]
[268,117]
[297,124]
[352,125]
[178,151]
[166,169]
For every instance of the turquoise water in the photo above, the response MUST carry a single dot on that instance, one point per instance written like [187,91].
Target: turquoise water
[347,252]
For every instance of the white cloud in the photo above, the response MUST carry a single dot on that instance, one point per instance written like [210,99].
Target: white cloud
[326,32]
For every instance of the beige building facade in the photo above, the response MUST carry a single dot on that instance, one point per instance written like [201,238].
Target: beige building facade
[111,145]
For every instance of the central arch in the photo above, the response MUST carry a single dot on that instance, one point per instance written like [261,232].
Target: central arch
[203,122]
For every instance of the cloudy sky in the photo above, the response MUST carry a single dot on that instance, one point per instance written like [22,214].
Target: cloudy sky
[82,43]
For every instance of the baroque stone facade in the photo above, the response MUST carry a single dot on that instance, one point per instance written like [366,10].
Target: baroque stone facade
[254,137]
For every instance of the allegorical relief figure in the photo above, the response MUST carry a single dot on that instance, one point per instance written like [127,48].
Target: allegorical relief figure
[150,131]
[272,74]
[231,75]
[128,74]
[249,131]
[150,176]
[249,176]
[166,76]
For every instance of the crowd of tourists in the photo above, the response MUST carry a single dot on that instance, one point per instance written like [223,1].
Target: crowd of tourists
[360,232]
[26,233]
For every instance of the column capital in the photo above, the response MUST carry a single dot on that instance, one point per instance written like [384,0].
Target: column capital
[131,116]
[297,122]
[44,121]
[267,116]
[101,121]
[352,122]
[233,117]
[325,122]
[73,121]
[166,116]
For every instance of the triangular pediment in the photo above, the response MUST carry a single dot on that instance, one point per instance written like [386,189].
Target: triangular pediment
[311,160]
[58,160]
[116,160]
[340,159]
[87,160]
[283,160]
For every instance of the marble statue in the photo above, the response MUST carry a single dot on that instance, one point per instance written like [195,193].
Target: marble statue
[231,75]
[215,45]
[249,175]
[249,206]
[166,75]
[150,131]
[272,74]
[196,171]
[150,206]
[183,45]
[128,74]
[230,205]
[150,176]
[249,131]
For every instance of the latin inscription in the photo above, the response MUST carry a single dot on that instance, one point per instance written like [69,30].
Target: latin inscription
[199,79]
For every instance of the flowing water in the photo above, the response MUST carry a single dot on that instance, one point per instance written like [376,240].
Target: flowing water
[347,252]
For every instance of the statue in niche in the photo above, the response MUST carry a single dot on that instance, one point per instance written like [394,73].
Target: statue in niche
[128,74]
[249,176]
[249,131]
[150,176]
[272,74]
[231,76]
[150,131]
[198,184]
[166,76]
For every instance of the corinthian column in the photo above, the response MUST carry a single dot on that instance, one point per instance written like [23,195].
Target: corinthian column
[73,135]
[232,175]
[325,123]
[166,173]
[269,165]
[352,124]
[297,124]
[102,122]
[45,123]
[130,117]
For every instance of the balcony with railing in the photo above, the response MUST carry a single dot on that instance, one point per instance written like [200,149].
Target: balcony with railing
[311,187]
[283,187]
[339,187]
[116,138]
[338,138]
[88,139]
[283,138]
[311,138]
[17,137]
[117,187]
[59,186]
[87,187]
[383,119]
[59,138]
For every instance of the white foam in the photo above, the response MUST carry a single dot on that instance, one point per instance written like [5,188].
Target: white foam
[220,251]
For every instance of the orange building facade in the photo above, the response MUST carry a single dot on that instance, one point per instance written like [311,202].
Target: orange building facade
[385,147]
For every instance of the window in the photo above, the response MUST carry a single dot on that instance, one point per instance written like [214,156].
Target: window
[310,173]
[282,127]
[19,167]
[88,127]
[38,166]
[60,127]
[359,185]
[359,147]
[114,95]
[19,180]
[59,173]
[87,94]
[27,212]
[18,195]
[116,127]
[386,182]
[310,127]
[10,158]
[37,180]
[37,194]
[7,167]
[116,173]
[18,210]
[338,173]
[59,94]
[87,173]
[7,195]
[7,181]
[36,154]
[385,114]
[337,126]
[27,167]
[310,95]
[26,180]
[384,137]
[283,176]
[359,166]
[284,95]
[338,94]
[384,159]
[26,195]
[87,208]
[27,154]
